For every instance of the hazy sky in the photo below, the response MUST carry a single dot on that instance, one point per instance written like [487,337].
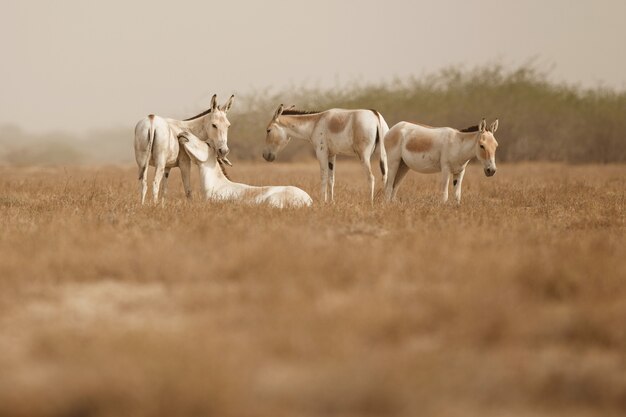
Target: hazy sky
[79,64]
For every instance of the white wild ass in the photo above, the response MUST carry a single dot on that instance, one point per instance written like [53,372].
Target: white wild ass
[217,186]
[332,132]
[427,149]
[156,144]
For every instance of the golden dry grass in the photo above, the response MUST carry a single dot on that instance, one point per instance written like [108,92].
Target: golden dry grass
[512,304]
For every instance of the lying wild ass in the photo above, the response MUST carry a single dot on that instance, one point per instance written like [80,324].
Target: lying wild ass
[217,186]
[156,144]
[427,149]
[332,132]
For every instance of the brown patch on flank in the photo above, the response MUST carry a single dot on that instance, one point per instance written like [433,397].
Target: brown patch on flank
[392,139]
[338,122]
[419,144]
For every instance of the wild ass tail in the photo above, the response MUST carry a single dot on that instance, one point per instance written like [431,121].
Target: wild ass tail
[149,150]
[383,128]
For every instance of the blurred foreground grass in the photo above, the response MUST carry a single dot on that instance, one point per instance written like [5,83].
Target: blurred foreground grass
[512,304]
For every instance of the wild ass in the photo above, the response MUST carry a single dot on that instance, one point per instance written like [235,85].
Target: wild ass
[217,186]
[427,149]
[156,144]
[332,132]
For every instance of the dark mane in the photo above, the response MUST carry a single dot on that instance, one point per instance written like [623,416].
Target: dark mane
[223,168]
[469,129]
[204,113]
[295,112]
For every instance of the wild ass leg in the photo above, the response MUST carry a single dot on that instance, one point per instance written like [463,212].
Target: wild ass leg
[400,174]
[367,166]
[156,183]
[457,181]
[143,184]
[445,181]
[331,176]
[322,157]
[185,172]
[392,168]
[166,175]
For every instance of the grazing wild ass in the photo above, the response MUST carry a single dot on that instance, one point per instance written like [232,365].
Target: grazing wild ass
[427,149]
[156,144]
[217,186]
[332,132]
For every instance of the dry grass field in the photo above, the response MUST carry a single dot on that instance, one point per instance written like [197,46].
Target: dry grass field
[513,304]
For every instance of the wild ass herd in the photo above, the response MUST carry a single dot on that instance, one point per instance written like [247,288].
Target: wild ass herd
[333,132]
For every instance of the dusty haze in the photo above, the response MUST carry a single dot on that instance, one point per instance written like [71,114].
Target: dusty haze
[511,304]
[74,65]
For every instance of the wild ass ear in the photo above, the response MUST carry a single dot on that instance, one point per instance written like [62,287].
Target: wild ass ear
[494,126]
[278,112]
[196,149]
[482,126]
[228,104]
[214,102]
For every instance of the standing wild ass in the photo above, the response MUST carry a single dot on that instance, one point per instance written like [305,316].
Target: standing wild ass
[427,150]
[217,186]
[156,144]
[332,132]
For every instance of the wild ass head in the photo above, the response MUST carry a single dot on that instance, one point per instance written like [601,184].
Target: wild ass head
[486,146]
[276,138]
[215,125]
[200,152]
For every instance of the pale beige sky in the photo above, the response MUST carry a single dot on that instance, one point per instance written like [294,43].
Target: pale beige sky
[80,64]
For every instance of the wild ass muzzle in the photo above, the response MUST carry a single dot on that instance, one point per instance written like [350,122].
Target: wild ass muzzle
[156,144]
[217,186]
[332,132]
[427,149]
